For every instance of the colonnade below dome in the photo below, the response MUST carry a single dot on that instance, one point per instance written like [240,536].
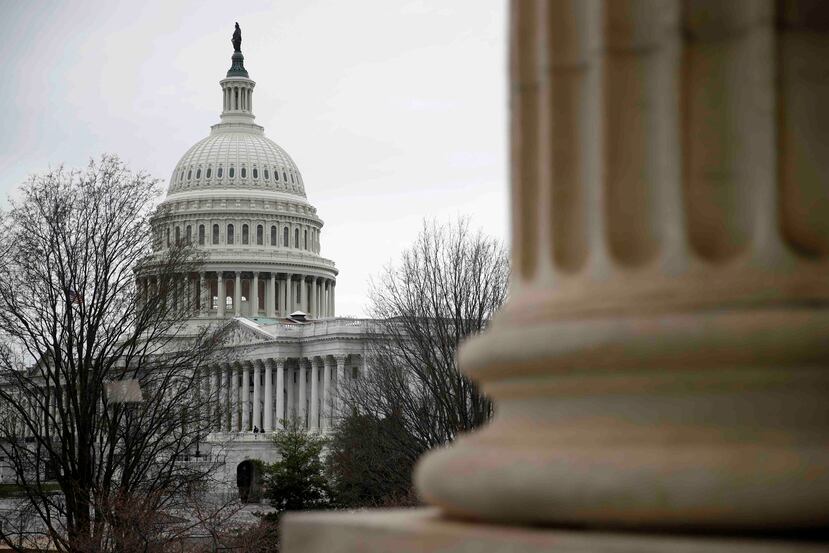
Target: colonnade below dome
[250,293]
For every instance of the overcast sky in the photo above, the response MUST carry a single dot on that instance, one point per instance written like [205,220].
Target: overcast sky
[393,110]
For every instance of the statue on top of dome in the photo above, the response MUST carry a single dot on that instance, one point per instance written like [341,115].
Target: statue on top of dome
[237,39]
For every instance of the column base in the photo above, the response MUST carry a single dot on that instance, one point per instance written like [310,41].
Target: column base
[423,530]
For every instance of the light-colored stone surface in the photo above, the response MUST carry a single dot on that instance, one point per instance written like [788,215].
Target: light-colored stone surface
[661,362]
[424,531]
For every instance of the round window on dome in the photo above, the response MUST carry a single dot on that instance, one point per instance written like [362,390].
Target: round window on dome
[219,173]
[208,173]
[230,173]
[198,173]
[244,172]
[255,173]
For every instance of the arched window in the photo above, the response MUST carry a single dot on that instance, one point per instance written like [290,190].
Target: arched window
[266,174]
[230,172]
[276,174]
[215,234]
[284,176]
[259,235]
[306,239]
[208,173]
[181,176]
[245,235]
[255,173]
[189,234]
[292,178]
[198,173]
[244,172]
[189,174]
[178,236]
[201,235]
[296,238]
[219,174]
[285,237]
[230,234]
[273,236]
[168,237]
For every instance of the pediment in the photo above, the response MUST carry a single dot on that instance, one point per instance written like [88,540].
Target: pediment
[242,332]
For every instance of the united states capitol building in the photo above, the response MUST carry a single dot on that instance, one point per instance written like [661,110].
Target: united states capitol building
[241,199]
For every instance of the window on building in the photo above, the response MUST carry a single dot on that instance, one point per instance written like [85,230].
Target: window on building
[296,238]
[181,176]
[266,174]
[219,173]
[178,236]
[245,236]
[244,172]
[273,236]
[292,178]
[275,174]
[260,235]
[306,239]
[189,174]
[230,234]
[284,176]
[168,237]
[208,173]
[285,237]
[215,234]
[189,234]
[198,173]
[230,172]
[255,173]
[201,235]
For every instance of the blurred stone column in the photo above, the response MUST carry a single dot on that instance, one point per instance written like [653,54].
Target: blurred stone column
[662,359]
[314,415]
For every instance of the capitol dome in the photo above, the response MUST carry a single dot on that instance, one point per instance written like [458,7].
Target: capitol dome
[237,158]
[240,199]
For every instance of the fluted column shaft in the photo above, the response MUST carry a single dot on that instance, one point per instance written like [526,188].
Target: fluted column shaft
[254,295]
[245,397]
[301,400]
[237,294]
[203,293]
[289,295]
[257,394]
[340,361]
[326,393]
[233,391]
[267,422]
[670,252]
[222,295]
[312,304]
[280,392]
[270,307]
[314,395]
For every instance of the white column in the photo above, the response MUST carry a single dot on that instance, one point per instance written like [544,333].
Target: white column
[257,408]
[237,294]
[333,304]
[290,403]
[314,394]
[301,396]
[245,397]
[312,300]
[326,393]
[202,293]
[280,392]
[340,359]
[233,396]
[222,295]
[289,294]
[254,295]
[271,296]
[267,423]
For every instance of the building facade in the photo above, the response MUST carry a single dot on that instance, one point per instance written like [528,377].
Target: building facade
[240,198]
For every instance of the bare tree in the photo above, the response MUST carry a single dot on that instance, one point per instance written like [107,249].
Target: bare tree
[73,324]
[445,288]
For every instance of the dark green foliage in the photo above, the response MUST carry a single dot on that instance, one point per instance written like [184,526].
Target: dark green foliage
[297,482]
[371,461]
